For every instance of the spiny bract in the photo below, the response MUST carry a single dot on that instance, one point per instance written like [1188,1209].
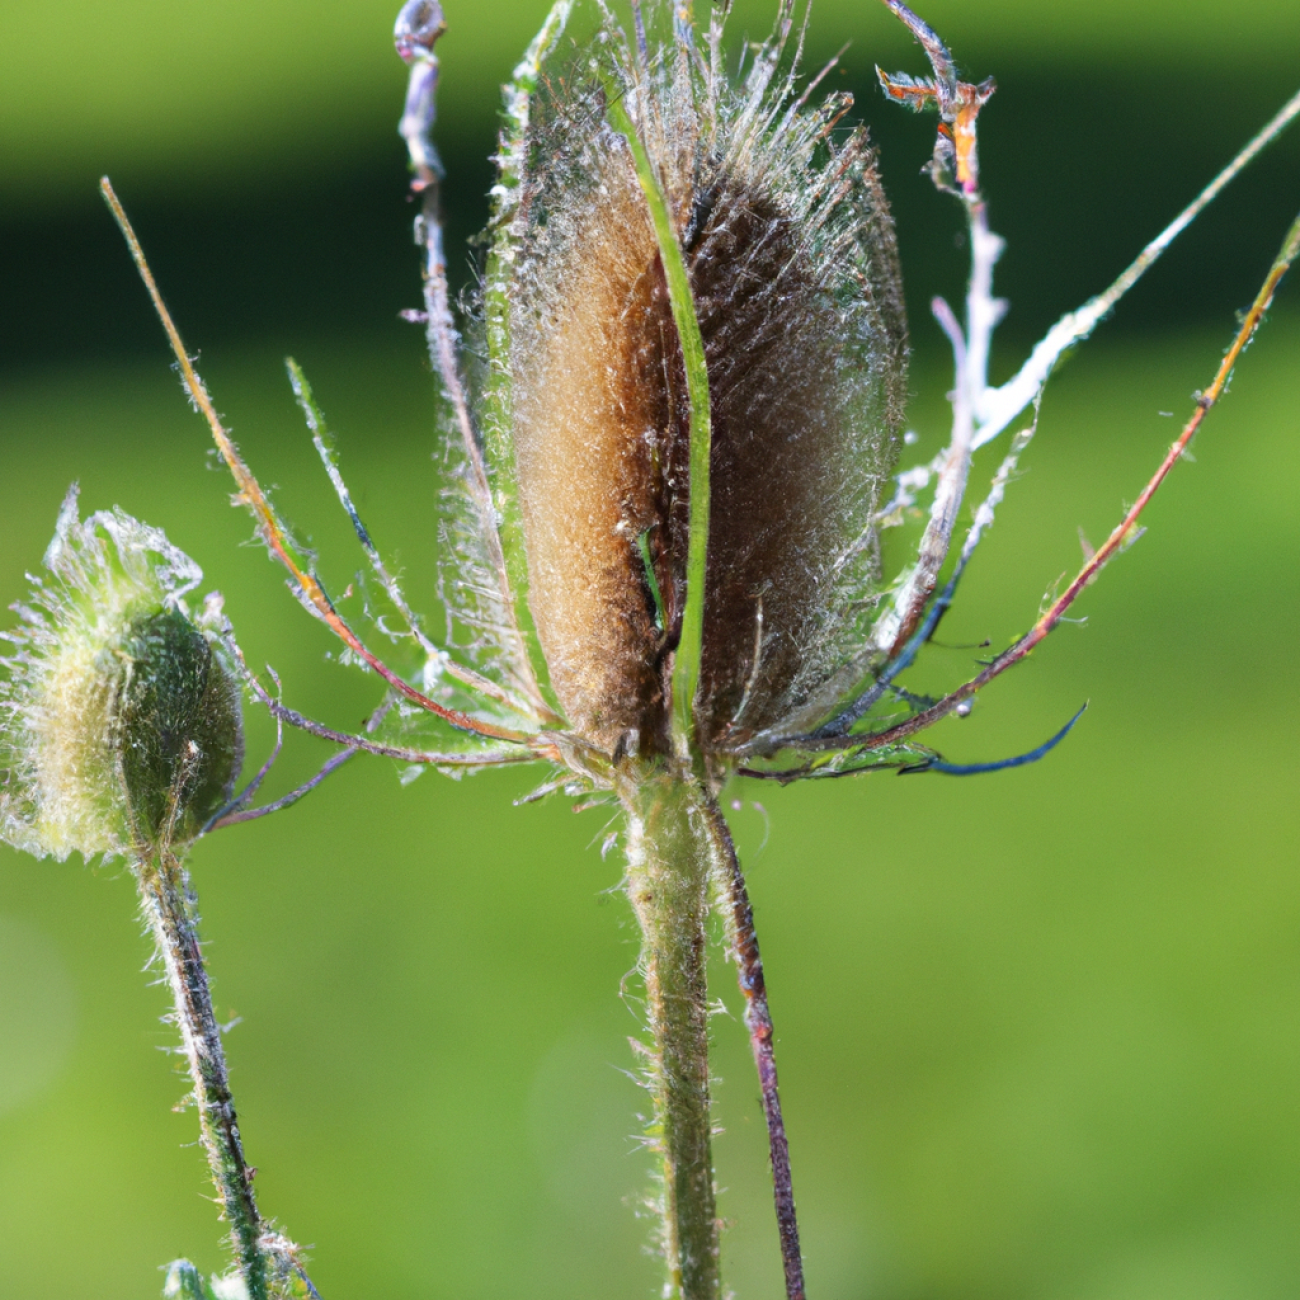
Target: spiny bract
[584,404]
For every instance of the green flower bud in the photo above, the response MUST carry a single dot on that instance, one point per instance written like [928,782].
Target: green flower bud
[120,722]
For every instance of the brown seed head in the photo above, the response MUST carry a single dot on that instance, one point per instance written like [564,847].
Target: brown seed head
[790,253]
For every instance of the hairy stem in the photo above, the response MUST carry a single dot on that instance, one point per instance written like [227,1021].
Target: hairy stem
[169,907]
[670,857]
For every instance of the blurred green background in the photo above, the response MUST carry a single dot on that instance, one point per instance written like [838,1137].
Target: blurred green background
[1039,1031]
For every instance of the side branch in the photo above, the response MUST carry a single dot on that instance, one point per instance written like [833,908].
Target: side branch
[282,713]
[270,526]
[997,407]
[1123,534]
[431,758]
[329,459]
[419,26]
[739,916]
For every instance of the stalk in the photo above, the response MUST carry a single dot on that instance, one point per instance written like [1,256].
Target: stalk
[670,859]
[742,938]
[170,908]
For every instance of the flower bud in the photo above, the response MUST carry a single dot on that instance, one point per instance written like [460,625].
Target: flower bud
[120,724]
[790,252]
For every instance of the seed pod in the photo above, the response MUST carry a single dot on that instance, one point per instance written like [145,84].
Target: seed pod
[790,253]
[121,722]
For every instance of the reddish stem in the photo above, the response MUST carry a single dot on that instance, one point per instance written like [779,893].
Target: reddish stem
[272,530]
[758,1020]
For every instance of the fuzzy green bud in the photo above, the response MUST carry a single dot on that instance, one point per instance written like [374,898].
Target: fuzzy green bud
[120,725]
[179,735]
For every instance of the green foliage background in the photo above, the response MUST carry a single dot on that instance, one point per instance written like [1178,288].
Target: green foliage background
[1040,1031]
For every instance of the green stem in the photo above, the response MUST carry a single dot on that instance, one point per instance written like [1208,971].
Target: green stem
[170,908]
[670,857]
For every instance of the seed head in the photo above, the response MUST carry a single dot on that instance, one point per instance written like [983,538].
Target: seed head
[119,720]
[790,253]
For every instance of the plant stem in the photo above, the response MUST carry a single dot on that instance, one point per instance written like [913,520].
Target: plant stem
[170,908]
[670,856]
[739,916]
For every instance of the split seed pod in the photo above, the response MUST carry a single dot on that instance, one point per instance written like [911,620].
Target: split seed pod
[789,251]
[120,725]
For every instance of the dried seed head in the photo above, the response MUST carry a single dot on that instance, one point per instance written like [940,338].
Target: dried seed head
[120,722]
[790,254]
